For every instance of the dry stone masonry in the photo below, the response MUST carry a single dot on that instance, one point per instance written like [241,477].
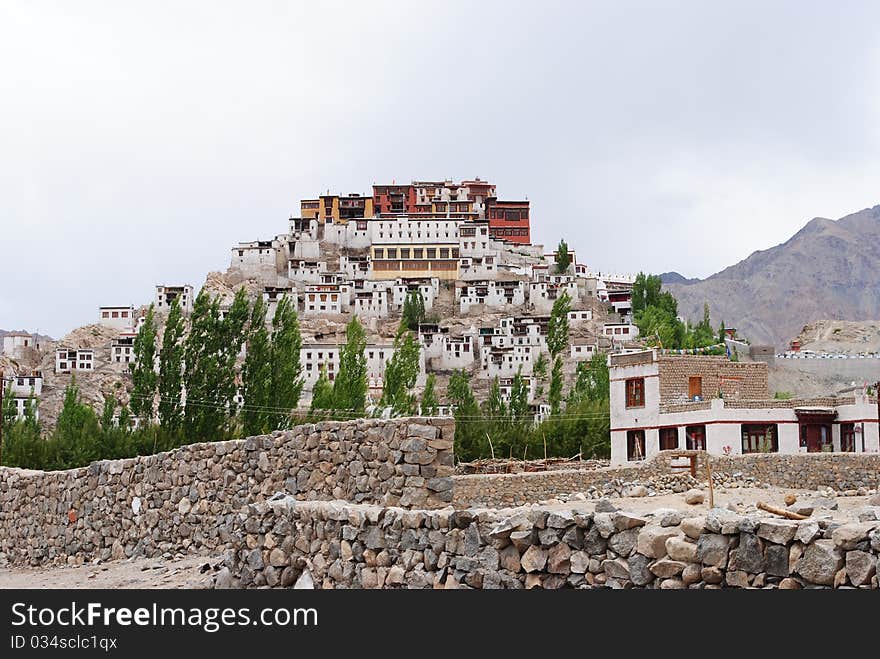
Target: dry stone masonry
[340,545]
[185,499]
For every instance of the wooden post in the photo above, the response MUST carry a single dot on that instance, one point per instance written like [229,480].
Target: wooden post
[711,489]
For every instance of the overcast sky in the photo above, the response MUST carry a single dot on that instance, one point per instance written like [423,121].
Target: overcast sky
[140,141]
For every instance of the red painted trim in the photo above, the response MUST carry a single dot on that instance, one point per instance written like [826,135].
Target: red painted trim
[749,422]
[634,377]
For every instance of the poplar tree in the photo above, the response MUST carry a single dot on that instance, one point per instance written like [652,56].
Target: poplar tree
[256,374]
[557,328]
[350,385]
[401,373]
[494,406]
[563,258]
[170,371]
[519,397]
[468,425]
[429,404]
[286,381]
[322,392]
[413,311]
[203,412]
[143,369]
[556,384]
[231,331]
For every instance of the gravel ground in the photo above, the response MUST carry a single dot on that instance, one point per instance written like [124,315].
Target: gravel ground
[127,574]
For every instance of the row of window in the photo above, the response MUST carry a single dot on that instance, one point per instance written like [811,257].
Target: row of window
[114,314]
[509,232]
[755,438]
[416,253]
[616,330]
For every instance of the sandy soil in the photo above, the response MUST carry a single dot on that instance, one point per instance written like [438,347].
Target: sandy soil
[128,574]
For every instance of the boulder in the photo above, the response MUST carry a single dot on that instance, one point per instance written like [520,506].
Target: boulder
[860,566]
[652,540]
[667,568]
[534,559]
[807,532]
[694,497]
[639,573]
[559,559]
[624,521]
[820,562]
[737,579]
[680,549]
[622,543]
[750,554]
[617,568]
[778,531]
[712,549]
[691,573]
[693,527]
[848,536]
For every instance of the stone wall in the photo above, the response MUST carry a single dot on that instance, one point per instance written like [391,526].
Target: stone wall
[185,499]
[498,490]
[805,471]
[840,471]
[362,546]
[734,379]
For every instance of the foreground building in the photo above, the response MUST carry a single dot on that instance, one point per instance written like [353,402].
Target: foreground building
[709,403]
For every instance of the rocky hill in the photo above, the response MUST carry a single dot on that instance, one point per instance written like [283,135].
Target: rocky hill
[827,270]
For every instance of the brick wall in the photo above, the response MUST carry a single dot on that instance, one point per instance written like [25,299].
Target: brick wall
[736,380]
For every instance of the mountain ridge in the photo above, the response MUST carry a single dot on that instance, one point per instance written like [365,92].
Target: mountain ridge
[829,269]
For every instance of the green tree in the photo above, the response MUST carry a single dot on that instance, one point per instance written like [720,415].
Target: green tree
[468,421]
[519,397]
[256,373]
[350,385]
[556,385]
[322,392]
[231,337]
[170,371]
[539,372]
[401,373]
[563,258]
[494,407]
[204,412]
[287,382]
[722,332]
[557,328]
[591,380]
[10,412]
[143,369]
[73,442]
[413,311]
[429,404]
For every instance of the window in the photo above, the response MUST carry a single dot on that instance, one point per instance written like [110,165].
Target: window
[379,254]
[760,438]
[115,314]
[635,445]
[418,253]
[635,392]
[444,253]
[696,438]
[392,252]
[668,439]
[432,253]
[695,387]
[848,437]
[105,314]
[404,253]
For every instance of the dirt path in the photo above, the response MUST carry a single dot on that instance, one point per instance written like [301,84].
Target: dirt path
[127,574]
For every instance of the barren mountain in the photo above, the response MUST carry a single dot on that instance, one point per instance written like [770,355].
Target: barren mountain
[827,270]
